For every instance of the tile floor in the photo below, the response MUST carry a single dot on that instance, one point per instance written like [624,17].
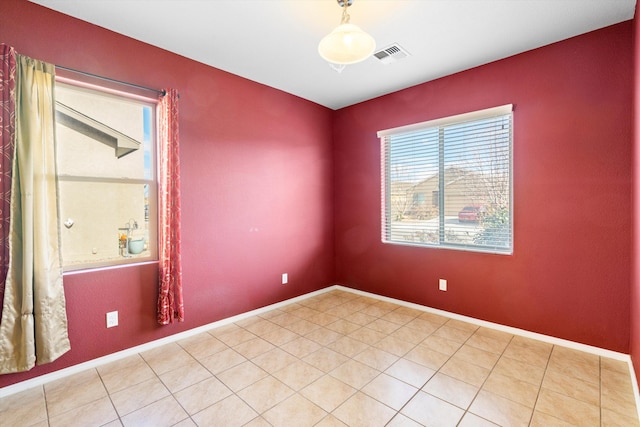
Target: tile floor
[340,359]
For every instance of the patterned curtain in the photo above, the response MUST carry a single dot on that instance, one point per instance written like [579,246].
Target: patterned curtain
[7,146]
[33,329]
[170,306]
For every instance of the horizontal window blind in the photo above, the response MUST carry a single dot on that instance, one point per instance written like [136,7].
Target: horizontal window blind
[447,182]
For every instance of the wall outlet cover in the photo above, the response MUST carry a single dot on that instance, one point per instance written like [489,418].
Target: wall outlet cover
[112,319]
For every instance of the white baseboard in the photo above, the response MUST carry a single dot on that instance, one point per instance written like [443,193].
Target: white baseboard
[43,379]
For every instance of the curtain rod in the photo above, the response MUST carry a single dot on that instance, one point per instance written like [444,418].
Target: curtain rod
[158,91]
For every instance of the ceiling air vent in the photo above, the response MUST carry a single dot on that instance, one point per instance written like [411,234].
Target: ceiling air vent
[391,54]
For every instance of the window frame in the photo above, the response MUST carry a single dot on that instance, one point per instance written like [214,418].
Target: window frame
[438,125]
[152,183]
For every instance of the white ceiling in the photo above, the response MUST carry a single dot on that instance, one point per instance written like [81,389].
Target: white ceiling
[274,42]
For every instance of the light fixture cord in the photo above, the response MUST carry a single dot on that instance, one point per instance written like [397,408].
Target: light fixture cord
[345,15]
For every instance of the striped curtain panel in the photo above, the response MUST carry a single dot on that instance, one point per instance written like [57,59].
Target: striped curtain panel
[170,305]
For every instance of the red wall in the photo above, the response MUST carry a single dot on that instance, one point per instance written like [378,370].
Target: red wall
[635,282]
[256,189]
[570,271]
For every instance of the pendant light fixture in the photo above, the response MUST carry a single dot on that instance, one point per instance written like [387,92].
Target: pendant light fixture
[347,43]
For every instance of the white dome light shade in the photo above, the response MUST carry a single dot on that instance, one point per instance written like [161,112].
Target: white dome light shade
[346,44]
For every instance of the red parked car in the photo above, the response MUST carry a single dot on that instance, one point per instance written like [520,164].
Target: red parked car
[471,213]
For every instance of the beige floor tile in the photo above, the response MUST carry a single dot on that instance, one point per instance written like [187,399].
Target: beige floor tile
[526,351]
[253,347]
[454,391]
[96,413]
[540,419]
[258,422]
[512,388]
[298,374]
[343,327]
[27,407]
[431,411]
[274,360]
[73,392]
[367,335]
[301,347]
[265,394]
[354,373]
[570,355]
[390,391]
[412,335]
[280,336]
[222,361]
[434,318]
[323,319]
[138,396]
[394,345]
[202,345]
[184,423]
[119,364]
[520,370]
[462,325]
[201,395]
[465,371]
[617,393]
[376,358]
[166,358]
[360,318]
[410,372]
[572,387]
[361,410]
[72,381]
[325,359]
[425,356]
[229,412]
[304,312]
[235,337]
[259,326]
[423,326]
[383,326]
[400,420]
[302,327]
[328,392]
[375,310]
[472,420]
[500,410]
[614,365]
[323,336]
[568,409]
[487,342]
[494,334]
[164,412]
[348,346]
[241,376]
[452,333]
[441,345]
[285,319]
[584,371]
[133,374]
[398,317]
[614,419]
[294,411]
[189,374]
[477,356]
[330,421]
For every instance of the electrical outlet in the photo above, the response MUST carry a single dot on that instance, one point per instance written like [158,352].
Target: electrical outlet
[285,278]
[112,319]
[443,284]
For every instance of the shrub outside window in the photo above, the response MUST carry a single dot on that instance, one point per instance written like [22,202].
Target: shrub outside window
[105,153]
[448,182]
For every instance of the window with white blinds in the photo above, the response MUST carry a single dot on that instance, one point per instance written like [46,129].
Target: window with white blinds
[448,182]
